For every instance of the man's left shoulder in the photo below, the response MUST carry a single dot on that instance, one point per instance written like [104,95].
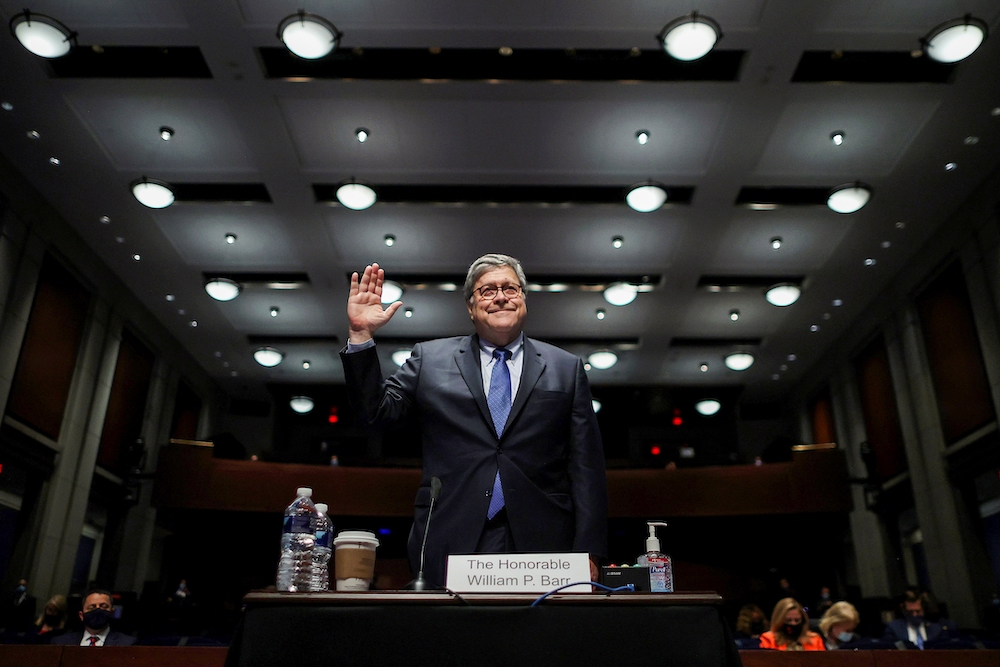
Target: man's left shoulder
[550,352]
[119,639]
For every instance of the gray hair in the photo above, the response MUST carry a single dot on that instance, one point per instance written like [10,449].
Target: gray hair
[489,262]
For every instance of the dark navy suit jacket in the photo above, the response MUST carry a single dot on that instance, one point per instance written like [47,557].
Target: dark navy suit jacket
[113,639]
[896,630]
[550,455]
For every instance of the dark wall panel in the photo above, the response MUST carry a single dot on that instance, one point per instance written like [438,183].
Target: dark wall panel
[954,355]
[187,409]
[48,354]
[821,412]
[878,402]
[127,403]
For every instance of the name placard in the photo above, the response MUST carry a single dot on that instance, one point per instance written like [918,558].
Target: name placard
[517,573]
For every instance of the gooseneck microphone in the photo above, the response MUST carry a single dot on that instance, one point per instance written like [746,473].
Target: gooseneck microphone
[421,584]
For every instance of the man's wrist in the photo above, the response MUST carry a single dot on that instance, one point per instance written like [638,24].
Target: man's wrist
[359,337]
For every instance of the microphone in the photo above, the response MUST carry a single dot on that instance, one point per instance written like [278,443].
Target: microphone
[421,584]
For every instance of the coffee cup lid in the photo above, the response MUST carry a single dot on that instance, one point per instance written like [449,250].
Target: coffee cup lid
[362,536]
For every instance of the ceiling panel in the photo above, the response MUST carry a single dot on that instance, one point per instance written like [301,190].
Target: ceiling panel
[808,238]
[198,232]
[80,14]
[915,16]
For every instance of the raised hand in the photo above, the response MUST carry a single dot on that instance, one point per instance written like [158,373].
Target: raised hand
[365,315]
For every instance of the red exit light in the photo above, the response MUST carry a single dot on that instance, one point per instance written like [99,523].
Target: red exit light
[655,450]
[677,421]
[333,418]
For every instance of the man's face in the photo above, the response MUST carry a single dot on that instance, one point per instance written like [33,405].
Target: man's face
[498,320]
[96,601]
[914,608]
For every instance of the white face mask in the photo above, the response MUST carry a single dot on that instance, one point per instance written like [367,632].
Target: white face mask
[844,636]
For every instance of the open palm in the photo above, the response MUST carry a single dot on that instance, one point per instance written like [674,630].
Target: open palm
[364,306]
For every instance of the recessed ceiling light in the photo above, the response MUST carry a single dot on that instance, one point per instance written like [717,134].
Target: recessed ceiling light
[268,357]
[234,373]
[620,294]
[223,289]
[389,240]
[166,133]
[849,198]
[586,366]
[408,313]
[152,193]
[193,323]
[951,166]
[642,136]
[617,242]
[558,287]
[301,404]
[739,361]
[6,106]
[762,206]
[33,134]
[42,35]
[837,138]
[775,377]
[274,311]
[362,134]
[837,303]
[391,291]
[230,239]
[734,315]
[792,357]
[105,220]
[603,359]
[399,357]
[707,407]
[886,245]
[783,367]
[783,294]
[54,161]
[690,37]
[356,196]
[181,311]
[120,239]
[955,40]
[814,328]
[776,242]
[308,36]
[137,257]
[703,367]
[900,225]
[601,313]
[596,404]
[170,297]
[970,141]
[870,261]
[995,111]
[646,197]
[506,51]
[306,364]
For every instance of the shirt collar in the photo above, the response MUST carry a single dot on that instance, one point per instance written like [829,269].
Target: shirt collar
[514,347]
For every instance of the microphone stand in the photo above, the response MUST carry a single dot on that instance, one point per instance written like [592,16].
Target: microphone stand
[420,583]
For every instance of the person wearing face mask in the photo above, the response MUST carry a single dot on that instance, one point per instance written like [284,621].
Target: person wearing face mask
[98,610]
[838,624]
[914,629]
[790,629]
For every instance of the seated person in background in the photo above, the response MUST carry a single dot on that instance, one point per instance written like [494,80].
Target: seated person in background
[824,602]
[98,610]
[750,623]
[838,624]
[913,628]
[52,622]
[790,629]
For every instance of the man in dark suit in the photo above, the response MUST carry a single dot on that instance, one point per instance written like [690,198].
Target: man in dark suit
[913,629]
[507,424]
[98,610]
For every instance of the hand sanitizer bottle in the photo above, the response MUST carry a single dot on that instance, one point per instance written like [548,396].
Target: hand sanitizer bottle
[661,570]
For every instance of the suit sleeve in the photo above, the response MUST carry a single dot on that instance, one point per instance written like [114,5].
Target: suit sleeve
[374,399]
[587,472]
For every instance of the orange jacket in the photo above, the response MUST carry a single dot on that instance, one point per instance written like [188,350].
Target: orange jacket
[811,642]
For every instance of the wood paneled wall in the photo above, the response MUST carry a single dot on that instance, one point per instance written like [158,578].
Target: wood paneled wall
[878,402]
[126,404]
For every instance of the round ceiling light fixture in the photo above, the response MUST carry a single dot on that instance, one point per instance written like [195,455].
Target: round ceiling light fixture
[596,404]
[391,292]
[955,40]
[152,193]
[603,359]
[268,357]
[356,196]
[42,35]
[707,407]
[620,294]
[301,404]
[223,289]
[308,36]
[646,197]
[849,198]
[399,357]
[690,37]
[783,294]
[739,361]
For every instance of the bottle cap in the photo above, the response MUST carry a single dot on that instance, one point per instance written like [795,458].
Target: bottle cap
[304,491]
[322,507]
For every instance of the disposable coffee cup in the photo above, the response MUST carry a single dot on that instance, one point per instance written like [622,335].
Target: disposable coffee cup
[355,559]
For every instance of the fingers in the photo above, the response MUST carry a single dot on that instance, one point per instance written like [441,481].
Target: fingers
[354,284]
[391,310]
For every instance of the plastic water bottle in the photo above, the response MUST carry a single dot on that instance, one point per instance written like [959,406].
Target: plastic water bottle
[298,537]
[322,551]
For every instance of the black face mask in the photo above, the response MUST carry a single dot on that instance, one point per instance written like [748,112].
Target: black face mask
[97,619]
[791,630]
[914,619]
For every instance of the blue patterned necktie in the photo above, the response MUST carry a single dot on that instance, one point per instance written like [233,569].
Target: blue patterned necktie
[499,403]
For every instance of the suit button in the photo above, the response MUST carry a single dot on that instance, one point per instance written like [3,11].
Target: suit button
[499,450]
[489,493]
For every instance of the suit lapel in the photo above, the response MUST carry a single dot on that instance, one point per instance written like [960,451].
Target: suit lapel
[531,370]
[467,359]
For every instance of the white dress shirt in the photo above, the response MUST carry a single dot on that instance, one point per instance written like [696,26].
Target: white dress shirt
[101,636]
[514,364]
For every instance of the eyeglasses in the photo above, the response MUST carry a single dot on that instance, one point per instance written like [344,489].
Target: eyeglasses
[489,292]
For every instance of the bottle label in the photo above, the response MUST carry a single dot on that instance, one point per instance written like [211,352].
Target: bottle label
[322,538]
[298,524]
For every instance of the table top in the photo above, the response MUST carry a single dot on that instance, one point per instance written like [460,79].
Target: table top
[374,598]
